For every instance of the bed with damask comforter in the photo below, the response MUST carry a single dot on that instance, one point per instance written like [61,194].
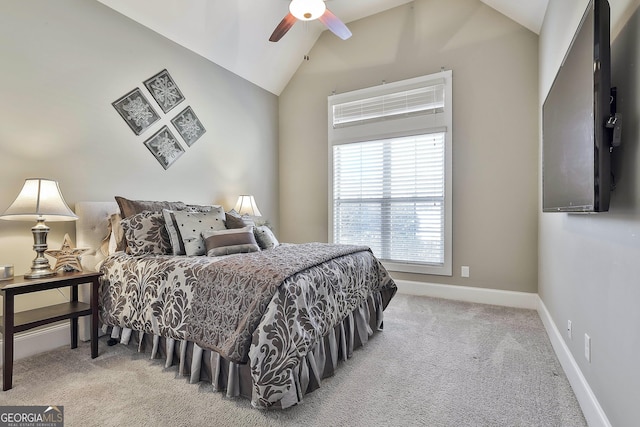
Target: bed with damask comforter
[268,325]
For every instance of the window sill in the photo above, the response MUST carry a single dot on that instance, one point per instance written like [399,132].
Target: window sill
[436,270]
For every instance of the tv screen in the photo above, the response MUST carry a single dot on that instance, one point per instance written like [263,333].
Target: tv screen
[575,142]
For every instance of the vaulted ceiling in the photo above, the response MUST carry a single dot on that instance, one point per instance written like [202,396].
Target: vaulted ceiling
[234,33]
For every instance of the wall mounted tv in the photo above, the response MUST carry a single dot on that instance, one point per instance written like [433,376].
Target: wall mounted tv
[576,144]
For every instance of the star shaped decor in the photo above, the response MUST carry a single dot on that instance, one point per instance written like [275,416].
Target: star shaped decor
[68,257]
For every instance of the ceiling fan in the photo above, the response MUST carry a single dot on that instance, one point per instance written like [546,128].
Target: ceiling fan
[308,10]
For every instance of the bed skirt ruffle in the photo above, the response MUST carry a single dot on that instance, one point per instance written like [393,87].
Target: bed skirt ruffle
[234,379]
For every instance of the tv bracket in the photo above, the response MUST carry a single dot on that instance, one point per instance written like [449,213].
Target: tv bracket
[615,121]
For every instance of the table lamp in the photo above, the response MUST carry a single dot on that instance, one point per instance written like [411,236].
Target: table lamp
[39,200]
[246,204]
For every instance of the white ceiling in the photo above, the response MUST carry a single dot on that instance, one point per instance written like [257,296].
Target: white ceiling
[234,33]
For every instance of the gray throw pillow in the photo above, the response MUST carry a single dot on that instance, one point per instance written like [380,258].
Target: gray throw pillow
[131,207]
[265,237]
[234,220]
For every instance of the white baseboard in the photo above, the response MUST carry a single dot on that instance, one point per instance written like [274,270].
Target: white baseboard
[591,408]
[37,341]
[465,293]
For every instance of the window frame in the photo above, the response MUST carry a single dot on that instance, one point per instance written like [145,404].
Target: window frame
[409,125]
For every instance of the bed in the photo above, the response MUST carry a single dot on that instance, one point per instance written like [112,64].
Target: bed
[217,295]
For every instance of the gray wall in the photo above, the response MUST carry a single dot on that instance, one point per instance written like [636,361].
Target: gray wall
[495,131]
[63,63]
[590,265]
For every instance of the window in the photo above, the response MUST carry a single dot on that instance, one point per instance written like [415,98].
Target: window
[390,172]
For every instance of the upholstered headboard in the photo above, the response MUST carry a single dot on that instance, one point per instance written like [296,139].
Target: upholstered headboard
[92,227]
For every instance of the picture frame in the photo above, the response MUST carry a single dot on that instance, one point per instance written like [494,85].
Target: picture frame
[188,126]
[164,147]
[164,90]
[136,110]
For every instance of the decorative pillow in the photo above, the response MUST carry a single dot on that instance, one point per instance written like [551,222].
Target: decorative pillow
[146,234]
[131,207]
[114,241]
[108,241]
[192,224]
[113,245]
[234,220]
[265,237]
[227,242]
[170,223]
[200,208]
[117,232]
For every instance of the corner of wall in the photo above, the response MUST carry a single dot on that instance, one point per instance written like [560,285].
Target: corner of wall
[589,404]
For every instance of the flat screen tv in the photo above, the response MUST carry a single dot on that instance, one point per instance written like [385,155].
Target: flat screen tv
[576,144]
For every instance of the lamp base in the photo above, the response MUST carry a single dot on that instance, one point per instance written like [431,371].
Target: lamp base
[40,266]
[46,272]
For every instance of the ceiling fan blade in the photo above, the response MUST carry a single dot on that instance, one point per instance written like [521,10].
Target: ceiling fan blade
[334,24]
[282,28]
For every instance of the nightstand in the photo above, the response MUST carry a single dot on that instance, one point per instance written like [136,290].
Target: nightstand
[12,323]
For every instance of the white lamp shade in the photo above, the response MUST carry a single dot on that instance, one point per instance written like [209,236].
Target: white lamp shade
[39,198]
[307,10]
[247,205]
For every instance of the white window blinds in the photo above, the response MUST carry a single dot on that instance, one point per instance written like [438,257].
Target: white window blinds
[389,194]
[422,100]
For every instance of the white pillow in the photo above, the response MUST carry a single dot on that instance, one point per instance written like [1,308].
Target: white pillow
[113,244]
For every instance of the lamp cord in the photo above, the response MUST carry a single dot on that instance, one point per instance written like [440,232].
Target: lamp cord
[61,293]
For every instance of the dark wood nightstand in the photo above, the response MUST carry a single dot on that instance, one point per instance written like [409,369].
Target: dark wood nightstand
[12,322]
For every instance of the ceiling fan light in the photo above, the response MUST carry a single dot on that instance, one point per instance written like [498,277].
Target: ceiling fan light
[307,10]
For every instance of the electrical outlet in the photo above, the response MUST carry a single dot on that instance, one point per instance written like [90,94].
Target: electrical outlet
[464,271]
[587,347]
[569,329]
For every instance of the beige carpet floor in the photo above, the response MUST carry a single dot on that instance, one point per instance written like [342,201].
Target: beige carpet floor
[437,363]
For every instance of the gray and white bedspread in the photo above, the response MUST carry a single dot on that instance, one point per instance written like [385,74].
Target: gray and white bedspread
[267,309]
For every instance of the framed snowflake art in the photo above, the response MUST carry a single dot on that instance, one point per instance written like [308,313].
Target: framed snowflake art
[164,90]
[136,111]
[188,126]
[165,147]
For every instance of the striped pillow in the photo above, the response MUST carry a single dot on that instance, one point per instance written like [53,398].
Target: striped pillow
[234,241]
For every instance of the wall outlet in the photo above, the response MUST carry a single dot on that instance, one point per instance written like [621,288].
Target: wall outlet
[569,329]
[587,347]
[464,271]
